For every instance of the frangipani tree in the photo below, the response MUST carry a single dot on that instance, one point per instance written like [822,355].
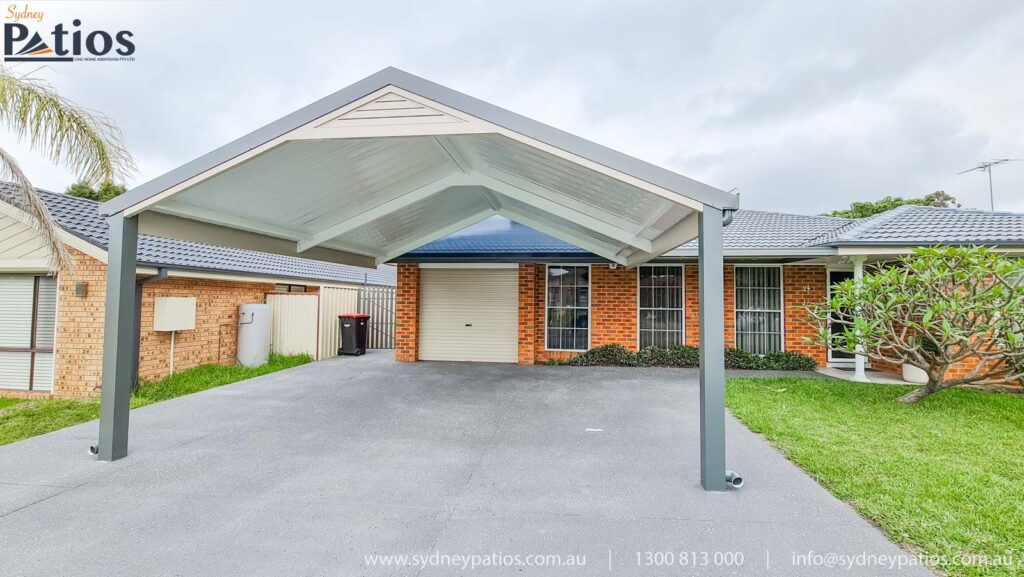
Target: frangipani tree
[80,140]
[933,309]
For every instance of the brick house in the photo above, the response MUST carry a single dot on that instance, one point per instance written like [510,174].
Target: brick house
[551,299]
[51,325]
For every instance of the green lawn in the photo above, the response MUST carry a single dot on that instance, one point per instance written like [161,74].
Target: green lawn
[4,403]
[942,477]
[31,418]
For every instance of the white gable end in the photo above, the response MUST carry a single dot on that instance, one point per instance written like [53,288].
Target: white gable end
[392,109]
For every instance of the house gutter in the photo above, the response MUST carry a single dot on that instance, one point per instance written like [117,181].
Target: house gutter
[161,274]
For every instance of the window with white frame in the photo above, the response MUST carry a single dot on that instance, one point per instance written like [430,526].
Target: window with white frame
[568,308]
[759,309]
[660,305]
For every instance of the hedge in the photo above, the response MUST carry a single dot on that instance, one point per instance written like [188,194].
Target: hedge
[686,357]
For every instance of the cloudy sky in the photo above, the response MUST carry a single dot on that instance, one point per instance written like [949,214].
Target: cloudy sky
[801,107]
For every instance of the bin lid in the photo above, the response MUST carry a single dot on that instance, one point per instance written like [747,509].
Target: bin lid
[354,316]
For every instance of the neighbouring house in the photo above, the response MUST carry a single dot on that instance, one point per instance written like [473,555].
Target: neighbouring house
[51,322]
[502,292]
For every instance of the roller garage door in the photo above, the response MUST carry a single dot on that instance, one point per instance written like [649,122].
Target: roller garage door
[469,315]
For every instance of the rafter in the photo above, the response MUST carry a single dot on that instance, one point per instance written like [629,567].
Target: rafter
[594,246]
[547,205]
[398,249]
[408,199]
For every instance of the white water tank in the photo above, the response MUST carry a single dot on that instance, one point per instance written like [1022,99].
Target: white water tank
[253,335]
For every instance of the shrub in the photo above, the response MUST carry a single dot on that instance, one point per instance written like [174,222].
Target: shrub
[685,357]
[787,361]
[605,356]
[676,356]
[740,359]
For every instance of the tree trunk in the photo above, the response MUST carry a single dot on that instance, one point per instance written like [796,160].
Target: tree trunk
[936,376]
[917,394]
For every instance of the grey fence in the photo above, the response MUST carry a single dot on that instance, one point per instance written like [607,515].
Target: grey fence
[379,303]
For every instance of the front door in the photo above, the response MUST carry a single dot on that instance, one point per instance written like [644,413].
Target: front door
[836,357]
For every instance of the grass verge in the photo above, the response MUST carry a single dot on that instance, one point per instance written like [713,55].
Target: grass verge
[941,477]
[22,420]
[4,403]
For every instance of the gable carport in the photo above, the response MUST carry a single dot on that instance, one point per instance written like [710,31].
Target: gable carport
[394,162]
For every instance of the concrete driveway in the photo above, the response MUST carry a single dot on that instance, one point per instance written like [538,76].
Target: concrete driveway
[516,470]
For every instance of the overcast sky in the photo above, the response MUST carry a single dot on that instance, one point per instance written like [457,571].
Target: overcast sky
[802,107]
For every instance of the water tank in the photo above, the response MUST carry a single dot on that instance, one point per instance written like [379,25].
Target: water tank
[253,335]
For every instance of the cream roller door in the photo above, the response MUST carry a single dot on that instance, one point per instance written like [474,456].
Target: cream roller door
[469,315]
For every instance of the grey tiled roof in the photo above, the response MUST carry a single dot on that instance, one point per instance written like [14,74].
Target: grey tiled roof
[750,230]
[926,225]
[80,217]
[766,234]
[754,229]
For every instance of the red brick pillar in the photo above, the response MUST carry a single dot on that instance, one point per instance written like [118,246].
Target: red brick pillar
[802,286]
[527,314]
[692,297]
[613,306]
[407,313]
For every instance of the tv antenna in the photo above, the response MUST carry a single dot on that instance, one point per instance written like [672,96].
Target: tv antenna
[987,167]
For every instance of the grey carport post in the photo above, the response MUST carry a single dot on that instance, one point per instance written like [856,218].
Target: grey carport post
[118,334]
[712,350]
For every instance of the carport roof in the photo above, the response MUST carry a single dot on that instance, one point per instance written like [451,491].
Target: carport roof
[394,162]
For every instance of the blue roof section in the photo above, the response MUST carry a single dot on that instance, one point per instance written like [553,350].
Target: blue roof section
[81,218]
[497,235]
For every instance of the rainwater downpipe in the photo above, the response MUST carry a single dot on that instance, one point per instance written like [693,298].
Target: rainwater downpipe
[161,274]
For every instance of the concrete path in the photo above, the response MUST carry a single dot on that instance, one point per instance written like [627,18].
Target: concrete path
[516,470]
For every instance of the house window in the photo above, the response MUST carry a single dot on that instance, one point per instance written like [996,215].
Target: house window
[759,309]
[289,288]
[568,308]
[661,306]
[28,314]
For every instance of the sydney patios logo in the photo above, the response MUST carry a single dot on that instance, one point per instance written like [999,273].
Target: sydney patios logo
[24,43]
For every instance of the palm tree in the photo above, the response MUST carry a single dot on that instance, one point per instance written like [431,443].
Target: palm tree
[86,143]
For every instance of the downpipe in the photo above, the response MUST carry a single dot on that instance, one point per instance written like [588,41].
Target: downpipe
[733,479]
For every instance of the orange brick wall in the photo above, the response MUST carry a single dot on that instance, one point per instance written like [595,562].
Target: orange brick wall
[528,318]
[407,313]
[613,309]
[79,345]
[691,294]
[802,286]
[216,334]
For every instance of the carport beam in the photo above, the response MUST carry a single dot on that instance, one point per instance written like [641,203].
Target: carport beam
[712,350]
[118,331]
